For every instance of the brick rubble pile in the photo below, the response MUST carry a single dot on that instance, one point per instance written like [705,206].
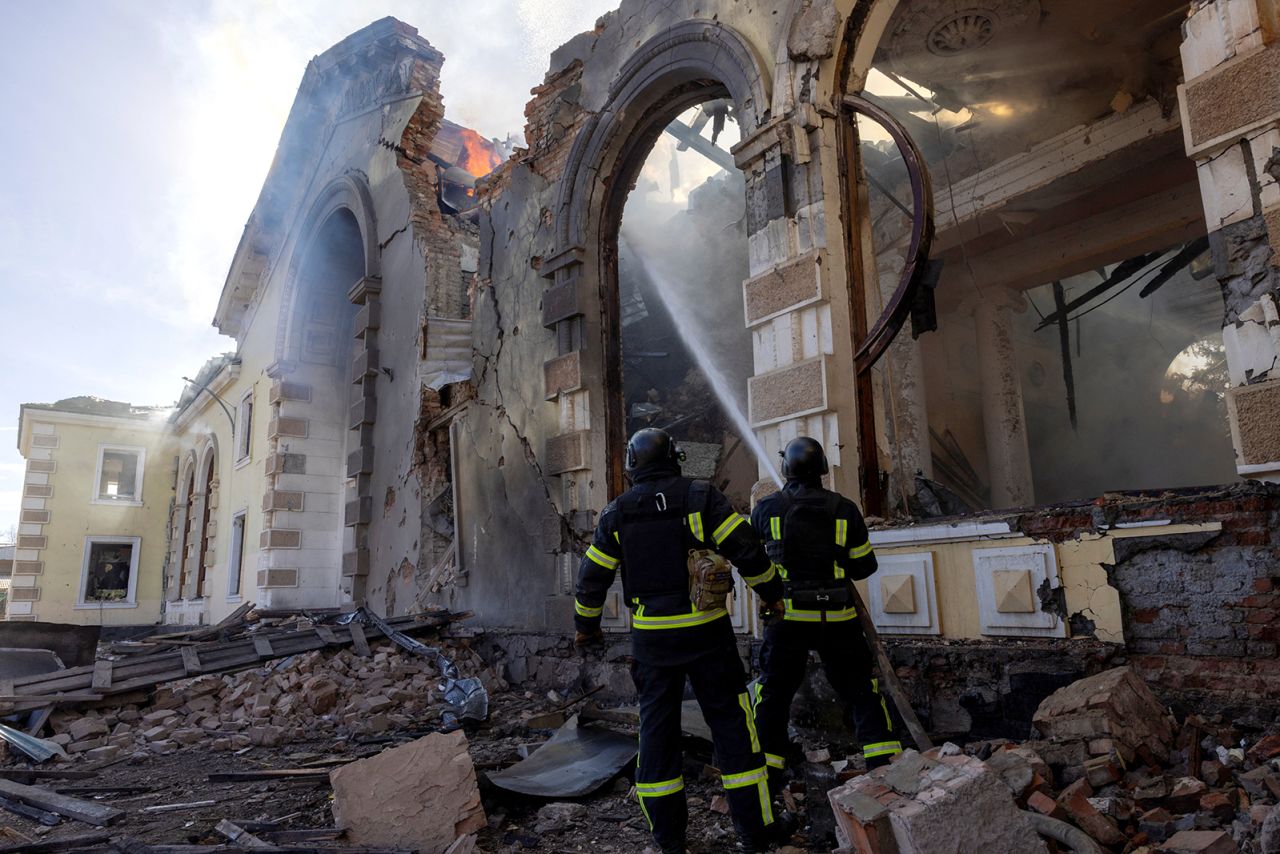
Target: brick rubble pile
[317,694]
[1110,762]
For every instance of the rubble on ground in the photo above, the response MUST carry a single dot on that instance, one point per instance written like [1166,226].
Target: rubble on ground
[421,795]
[291,700]
[1111,762]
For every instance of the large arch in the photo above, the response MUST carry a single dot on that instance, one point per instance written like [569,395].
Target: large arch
[689,63]
[348,193]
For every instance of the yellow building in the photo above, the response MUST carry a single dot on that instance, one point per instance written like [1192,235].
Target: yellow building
[91,540]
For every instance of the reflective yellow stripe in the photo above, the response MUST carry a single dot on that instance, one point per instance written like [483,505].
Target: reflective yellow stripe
[839,571]
[616,538]
[727,527]
[881,748]
[584,611]
[676,621]
[767,575]
[842,531]
[746,778]
[773,760]
[744,700]
[695,525]
[602,559]
[657,790]
[861,551]
[875,689]
[799,616]
[775,527]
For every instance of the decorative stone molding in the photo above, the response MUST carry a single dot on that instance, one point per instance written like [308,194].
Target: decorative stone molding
[783,288]
[562,374]
[568,452]
[791,392]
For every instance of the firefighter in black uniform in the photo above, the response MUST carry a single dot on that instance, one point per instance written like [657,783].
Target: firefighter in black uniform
[819,546]
[649,532]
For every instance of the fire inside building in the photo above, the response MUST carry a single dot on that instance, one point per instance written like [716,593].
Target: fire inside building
[1013,262]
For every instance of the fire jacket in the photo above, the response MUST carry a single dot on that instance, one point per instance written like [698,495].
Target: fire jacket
[654,525]
[832,527]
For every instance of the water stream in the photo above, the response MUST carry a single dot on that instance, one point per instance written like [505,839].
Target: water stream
[677,297]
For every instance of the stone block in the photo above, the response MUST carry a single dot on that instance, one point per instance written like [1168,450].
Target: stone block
[799,389]
[898,594]
[562,374]
[280,538]
[786,287]
[1214,107]
[87,728]
[421,795]
[282,390]
[563,301]
[568,452]
[920,805]
[1253,423]
[288,426]
[1013,591]
[360,461]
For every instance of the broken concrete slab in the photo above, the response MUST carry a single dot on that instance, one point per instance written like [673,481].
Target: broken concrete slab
[922,806]
[421,795]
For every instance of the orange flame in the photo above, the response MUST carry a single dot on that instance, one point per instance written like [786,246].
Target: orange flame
[478,155]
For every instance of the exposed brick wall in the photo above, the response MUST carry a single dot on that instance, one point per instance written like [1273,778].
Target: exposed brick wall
[1201,611]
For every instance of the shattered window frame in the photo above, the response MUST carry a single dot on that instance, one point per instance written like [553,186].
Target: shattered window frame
[130,599]
[99,496]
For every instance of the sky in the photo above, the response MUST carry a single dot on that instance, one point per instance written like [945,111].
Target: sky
[134,138]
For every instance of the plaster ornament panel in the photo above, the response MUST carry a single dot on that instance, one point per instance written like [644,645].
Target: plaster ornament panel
[898,593]
[902,596]
[1013,591]
[1009,584]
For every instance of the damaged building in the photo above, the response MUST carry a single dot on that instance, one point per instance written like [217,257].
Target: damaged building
[1012,261]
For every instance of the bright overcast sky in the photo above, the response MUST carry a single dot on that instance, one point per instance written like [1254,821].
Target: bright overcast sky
[136,135]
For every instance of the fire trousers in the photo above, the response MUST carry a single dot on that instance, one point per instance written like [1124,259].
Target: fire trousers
[846,659]
[720,685]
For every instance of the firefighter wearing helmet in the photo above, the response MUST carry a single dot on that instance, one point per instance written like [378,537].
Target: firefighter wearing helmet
[819,545]
[670,537]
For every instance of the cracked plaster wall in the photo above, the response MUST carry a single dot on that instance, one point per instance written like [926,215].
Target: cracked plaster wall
[522,528]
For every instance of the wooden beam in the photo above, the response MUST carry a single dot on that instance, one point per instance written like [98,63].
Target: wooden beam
[64,805]
[64,843]
[102,673]
[1050,161]
[191,660]
[358,641]
[262,646]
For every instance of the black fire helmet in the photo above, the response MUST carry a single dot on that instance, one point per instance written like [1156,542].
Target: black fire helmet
[804,459]
[652,445]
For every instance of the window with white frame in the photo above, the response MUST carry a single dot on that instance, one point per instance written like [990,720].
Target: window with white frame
[109,575]
[119,475]
[235,560]
[244,427]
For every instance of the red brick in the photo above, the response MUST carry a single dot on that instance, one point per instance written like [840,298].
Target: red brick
[1045,805]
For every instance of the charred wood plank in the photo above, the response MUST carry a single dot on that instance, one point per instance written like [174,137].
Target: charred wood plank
[45,817]
[65,843]
[1064,342]
[102,669]
[64,805]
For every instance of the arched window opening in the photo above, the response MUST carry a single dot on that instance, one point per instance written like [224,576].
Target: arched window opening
[208,485]
[682,256]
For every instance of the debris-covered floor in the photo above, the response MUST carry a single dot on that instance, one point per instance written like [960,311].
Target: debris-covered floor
[280,755]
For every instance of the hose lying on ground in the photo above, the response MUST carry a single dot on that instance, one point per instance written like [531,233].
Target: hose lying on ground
[1059,831]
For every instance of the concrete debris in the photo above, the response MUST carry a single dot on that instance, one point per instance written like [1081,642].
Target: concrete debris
[421,795]
[921,804]
[334,692]
[1113,714]
[1141,784]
